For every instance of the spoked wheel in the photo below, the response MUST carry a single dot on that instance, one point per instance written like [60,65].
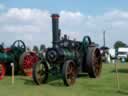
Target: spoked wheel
[2,71]
[69,72]
[19,44]
[93,61]
[40,72]
[27,60]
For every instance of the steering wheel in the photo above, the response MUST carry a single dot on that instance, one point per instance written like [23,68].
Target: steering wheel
[19,44]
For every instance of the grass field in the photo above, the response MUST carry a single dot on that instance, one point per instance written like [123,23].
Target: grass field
[103,86]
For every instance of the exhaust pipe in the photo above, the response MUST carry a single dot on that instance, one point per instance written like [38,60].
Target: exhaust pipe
[55,29]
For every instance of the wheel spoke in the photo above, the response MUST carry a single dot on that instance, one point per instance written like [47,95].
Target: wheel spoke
[27,62]
[71,73]
[40,73]
[19,44]
[97,62]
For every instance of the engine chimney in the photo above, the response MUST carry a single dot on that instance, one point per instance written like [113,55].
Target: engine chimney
[55,29]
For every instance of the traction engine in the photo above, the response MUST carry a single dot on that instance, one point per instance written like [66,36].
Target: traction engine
[68,58]
[16,54]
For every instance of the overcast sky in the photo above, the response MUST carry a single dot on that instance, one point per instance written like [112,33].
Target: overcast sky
[29,20]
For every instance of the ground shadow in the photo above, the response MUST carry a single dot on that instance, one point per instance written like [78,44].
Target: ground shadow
[27,81]
[82,75]
[53,80]
[121,70]
[56,83]
[122,92]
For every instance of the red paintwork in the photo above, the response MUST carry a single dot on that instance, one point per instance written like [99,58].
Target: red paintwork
[3,71]
[28,62]
[55,17]
[7,49]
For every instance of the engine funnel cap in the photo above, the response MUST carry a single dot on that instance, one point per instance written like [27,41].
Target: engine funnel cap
[55,16]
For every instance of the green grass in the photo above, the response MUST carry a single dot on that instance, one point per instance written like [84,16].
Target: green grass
[103,86]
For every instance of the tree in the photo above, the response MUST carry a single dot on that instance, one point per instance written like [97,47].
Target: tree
[35,49]
[42,47]
[119,44]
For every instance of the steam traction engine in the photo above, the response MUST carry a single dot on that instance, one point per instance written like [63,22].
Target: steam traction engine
[68,57]
[16,54]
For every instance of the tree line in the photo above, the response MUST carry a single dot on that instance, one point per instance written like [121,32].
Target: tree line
[119,44]
[37,49]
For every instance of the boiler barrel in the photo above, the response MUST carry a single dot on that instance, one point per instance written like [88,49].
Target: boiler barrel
[55,55]
[5,57]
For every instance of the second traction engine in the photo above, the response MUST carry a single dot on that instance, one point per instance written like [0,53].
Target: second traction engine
[68,57]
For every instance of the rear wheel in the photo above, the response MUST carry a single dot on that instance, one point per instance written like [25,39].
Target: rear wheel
[2,71]
[93,62]
[69,72]
[40,73]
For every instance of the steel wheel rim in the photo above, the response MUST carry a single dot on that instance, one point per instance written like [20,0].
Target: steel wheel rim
[40,72]
[28,62]
[19,44]
[71,73]
[97,62]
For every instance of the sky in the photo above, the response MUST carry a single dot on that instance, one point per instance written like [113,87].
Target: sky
[29,20]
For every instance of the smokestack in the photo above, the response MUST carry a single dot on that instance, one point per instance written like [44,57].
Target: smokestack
[55,29]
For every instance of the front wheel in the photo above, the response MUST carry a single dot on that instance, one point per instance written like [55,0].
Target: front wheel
[27,59]
[40,73]
[69,72]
